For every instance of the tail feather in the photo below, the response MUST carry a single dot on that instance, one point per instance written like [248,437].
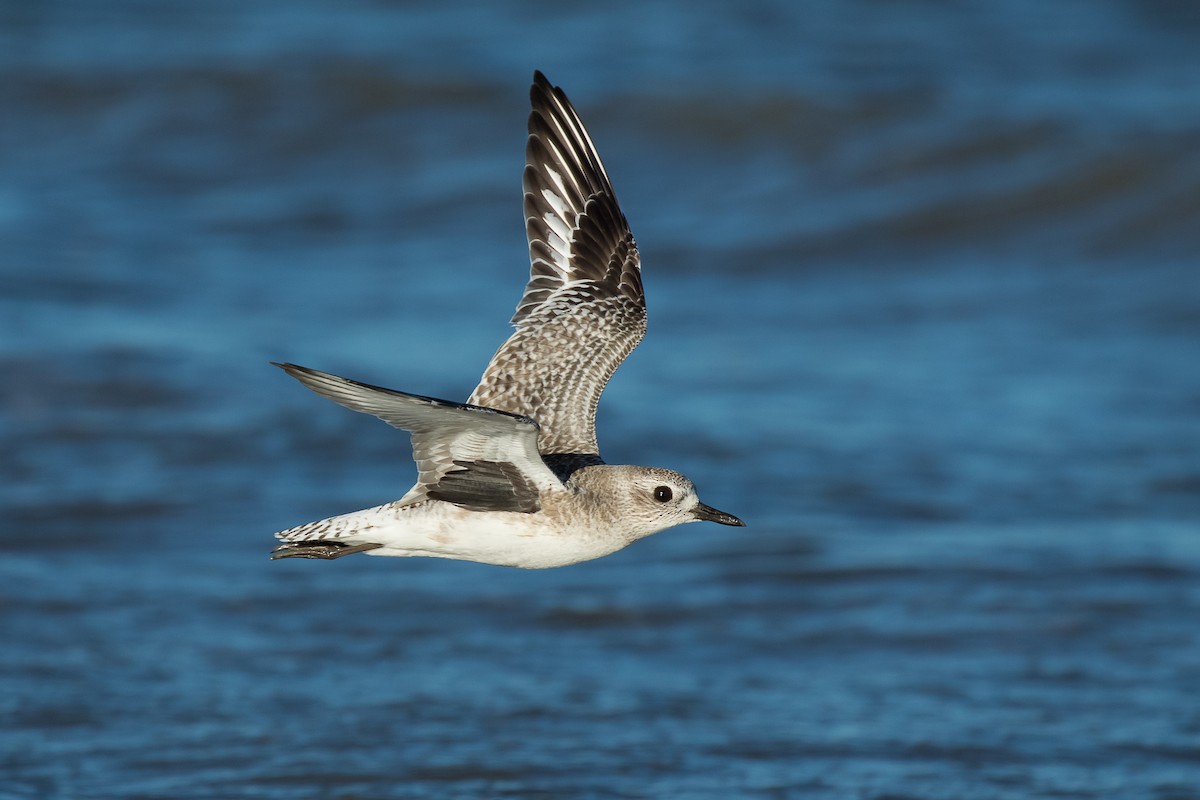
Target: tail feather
[320,548]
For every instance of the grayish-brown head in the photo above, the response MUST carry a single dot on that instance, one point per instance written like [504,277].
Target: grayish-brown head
[646,500]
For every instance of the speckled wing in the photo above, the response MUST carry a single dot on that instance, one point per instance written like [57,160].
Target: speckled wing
[583,310]
[479,458]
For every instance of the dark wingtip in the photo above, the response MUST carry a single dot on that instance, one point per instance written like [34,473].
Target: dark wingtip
[295,370]
[541,87]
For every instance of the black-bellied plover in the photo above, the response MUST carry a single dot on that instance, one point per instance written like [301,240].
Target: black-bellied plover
[514,476]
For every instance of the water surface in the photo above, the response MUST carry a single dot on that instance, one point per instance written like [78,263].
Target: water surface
[924,312]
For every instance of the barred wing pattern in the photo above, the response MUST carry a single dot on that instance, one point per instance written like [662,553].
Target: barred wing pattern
[583,310]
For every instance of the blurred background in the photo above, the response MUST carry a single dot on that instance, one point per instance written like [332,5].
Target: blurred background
[925,312]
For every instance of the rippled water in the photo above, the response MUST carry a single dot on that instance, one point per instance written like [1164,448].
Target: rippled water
[924,311]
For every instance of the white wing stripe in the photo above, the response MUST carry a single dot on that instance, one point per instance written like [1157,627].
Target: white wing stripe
[558,204]
[558,181]
[560,227]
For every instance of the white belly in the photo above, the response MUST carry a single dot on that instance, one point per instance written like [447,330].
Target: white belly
[443,530]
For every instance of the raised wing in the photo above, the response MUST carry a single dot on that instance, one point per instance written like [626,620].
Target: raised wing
[478,458]
[583,310]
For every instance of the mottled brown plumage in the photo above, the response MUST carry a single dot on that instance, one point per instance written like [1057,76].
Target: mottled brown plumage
[514,476]
[583,310]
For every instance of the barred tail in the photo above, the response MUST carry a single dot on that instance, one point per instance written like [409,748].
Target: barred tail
[320,548]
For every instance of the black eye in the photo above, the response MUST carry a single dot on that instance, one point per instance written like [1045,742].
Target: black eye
[662,493]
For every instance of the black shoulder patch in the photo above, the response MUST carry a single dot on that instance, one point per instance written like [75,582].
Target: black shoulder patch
[486,486]
[563,464]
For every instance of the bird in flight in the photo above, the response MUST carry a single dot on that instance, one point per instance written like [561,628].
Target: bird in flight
[514,476]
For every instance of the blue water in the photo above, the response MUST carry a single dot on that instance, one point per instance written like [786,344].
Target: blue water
[925,312]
